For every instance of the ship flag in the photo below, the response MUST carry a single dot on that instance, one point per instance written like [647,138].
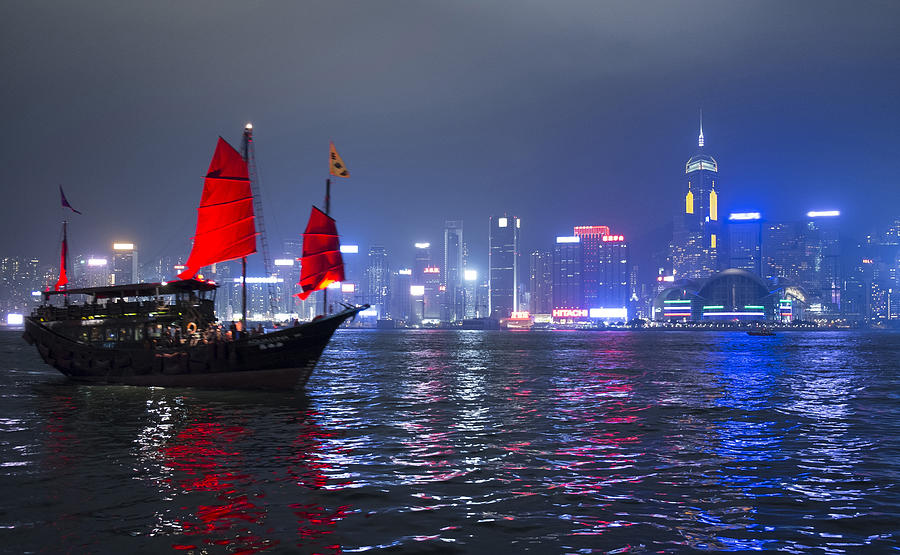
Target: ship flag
[335,163]
[65,202]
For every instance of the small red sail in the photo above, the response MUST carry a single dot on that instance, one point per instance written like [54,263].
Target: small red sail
[63,280]
[226,227]
[321,264]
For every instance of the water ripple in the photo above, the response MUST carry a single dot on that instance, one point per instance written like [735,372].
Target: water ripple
[437,441]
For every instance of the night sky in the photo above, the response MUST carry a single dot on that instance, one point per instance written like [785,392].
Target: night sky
[564,113]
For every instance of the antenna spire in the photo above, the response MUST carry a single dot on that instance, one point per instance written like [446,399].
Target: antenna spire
[700,139]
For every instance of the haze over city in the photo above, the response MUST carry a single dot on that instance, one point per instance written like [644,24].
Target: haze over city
[565,114]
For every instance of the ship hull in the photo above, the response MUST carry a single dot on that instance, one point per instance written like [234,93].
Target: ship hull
[283,359]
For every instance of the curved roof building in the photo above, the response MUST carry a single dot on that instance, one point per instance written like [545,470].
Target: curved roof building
[729,295]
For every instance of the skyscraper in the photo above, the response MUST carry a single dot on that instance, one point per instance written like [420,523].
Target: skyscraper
[454,299]
[503,261]
[824,247]
[400,300]
[745,241]
[541,282]
[125,264]
[568,289]
[90,271]
[784,252]
[613,273]
[695,241]
[378,280]
[591,239]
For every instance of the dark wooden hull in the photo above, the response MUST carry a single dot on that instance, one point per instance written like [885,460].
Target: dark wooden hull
[283,359]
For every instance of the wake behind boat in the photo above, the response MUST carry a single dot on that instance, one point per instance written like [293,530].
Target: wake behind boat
[165,334]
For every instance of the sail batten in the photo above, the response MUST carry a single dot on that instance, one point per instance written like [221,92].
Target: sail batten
[321,263]
[226,225]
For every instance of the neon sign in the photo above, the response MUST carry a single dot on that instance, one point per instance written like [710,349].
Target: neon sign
[613,238]
[745,216]
[570,313]
[432,270]
[523,315]
[608,313]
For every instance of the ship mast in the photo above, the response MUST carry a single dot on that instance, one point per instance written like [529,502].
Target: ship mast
[248,152]
[327,213]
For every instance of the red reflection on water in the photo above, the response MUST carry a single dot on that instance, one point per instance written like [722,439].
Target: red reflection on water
[60,439]
[306,467]
[602,446]
[204,452]
[208,460]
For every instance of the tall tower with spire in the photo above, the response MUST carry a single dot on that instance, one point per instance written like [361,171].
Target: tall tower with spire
[695,241]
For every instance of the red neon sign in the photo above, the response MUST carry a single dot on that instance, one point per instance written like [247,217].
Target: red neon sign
[613,238]
[589,230]
[432,270]
[570,313]
[523,315]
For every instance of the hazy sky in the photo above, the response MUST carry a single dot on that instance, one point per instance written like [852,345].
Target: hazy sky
[563,112]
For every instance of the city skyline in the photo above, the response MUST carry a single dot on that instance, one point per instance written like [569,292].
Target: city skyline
[798,112]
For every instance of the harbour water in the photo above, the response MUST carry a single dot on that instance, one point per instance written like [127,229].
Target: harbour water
[472,442]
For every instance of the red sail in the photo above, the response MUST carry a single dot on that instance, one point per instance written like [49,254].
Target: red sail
[321,264]
[63,280]
[226,228]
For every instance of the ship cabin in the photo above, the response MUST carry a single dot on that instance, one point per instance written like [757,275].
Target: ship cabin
[135,315]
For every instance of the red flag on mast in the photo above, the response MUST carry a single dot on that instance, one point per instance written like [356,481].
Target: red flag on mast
[321,263]
[63,280]
[226,227]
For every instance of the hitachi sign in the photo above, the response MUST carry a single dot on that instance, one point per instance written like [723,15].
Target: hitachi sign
[570,313]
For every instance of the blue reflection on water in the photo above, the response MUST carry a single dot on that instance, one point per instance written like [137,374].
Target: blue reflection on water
[479,441]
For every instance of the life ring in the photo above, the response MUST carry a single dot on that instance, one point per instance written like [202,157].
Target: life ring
[192,327]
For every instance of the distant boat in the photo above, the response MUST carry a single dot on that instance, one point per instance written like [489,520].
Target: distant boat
[162,334]
[766,332]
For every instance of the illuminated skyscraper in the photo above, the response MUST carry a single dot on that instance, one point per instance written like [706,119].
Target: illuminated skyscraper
[378,280]
[90,271]
[503,260]
[568,289]
[745,241]
[125,264]
[824,247]
[613,273]
[784,252]
[454,298]
[695,240]
[541,282]
[591,240]
[427,274]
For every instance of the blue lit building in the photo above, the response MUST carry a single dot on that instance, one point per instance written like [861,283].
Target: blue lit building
[503,264]
[730,295]
[694,250]
[745,241]
[568,285]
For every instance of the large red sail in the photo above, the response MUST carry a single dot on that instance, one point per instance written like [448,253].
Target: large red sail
[63,279]
[321,264]
[226,228]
